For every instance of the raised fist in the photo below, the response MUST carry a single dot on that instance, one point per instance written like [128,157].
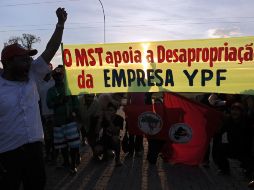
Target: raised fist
[61,15]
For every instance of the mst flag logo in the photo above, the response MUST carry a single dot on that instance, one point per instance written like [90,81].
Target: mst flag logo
[180,133]
[150,123]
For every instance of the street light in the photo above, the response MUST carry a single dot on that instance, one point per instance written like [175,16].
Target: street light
[104,18]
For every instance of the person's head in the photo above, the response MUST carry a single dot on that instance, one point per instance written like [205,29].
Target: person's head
[48,75]
[58,74]
[60,66]
[237,110]
[16,62]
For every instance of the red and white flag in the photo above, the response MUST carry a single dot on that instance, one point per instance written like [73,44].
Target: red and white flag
[185,125]
[193,132]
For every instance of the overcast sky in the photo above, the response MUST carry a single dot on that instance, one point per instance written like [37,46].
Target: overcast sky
[127,21]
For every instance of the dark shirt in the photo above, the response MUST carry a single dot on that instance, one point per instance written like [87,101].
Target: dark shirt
[62,110]
[239,134]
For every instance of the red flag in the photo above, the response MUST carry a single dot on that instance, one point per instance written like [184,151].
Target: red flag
[150,120]
[132,113]
[191,132]
[146,120]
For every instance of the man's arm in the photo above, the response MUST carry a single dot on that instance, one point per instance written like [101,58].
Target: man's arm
[56,38]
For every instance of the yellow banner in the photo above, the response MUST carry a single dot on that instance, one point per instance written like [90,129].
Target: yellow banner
[222,65]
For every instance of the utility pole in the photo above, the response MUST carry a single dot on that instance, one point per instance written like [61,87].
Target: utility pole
[104,19]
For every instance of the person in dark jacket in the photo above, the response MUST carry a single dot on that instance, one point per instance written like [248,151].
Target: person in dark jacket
[233,140]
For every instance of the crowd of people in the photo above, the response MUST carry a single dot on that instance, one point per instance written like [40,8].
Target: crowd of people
[68,122]
[99,126]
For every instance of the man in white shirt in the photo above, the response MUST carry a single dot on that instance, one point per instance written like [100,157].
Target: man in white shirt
[21,134]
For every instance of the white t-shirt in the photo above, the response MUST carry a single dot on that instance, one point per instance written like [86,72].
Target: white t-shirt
[20,120]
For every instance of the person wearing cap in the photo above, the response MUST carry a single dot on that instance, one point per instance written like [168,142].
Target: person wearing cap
[233,140]
[21,132]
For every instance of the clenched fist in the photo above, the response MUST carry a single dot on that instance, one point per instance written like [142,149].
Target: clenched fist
[61,15]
